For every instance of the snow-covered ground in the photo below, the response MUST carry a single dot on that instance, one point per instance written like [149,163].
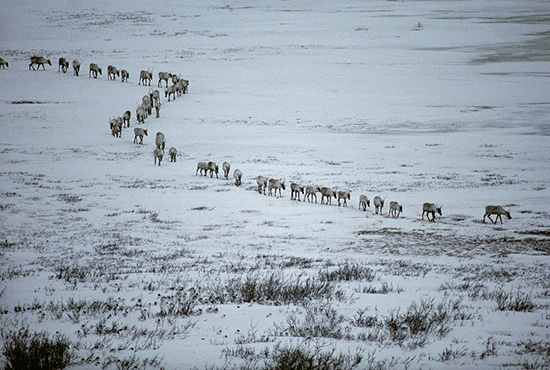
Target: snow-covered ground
[416,101]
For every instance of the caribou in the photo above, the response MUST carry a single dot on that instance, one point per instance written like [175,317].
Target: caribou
[311,191]
[295,190]
[124,75]
[395,209]
[4,64]
[364,202]
[496,210]
[328,193]
[378,204]
[226,167]
[76,67]
[139,133]
[63,65]
[94,70]
[173,154]
[344,195]
[158,154]
[39,61]
[145,77]
[238,175]
[112,72]
[430,208]
[262,184]
[275,184]
[164,76]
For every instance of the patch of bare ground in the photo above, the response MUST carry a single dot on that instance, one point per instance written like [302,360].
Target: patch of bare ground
[418,242]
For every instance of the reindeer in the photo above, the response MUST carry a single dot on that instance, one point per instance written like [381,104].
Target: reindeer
[160,141]
[126,118]
[328,193]
[213,168]
[430,208]
[276,185]
[94,70]
[202,167]
[112,72]
[164,76]
[139,132]
[158,154]
[39,61]
[124,75]
[145,77]
[364,202]
[295,191]
[395,209]
[378,204]
[147,104]
[311,192]
[182,86]
[3,63]
[496,210]
[154,96]
[157,110]
[141,114]
[262,184]
[238,175]
[116,126]
[226,167]
[63,65]
[173,154]
[76,67]
[170,90]
[344,195]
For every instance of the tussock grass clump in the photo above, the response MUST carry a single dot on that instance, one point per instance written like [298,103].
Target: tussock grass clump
[26,350]
[514,301]
[421,319]
[272,288]
[319,322]
[304,358]
[348,272]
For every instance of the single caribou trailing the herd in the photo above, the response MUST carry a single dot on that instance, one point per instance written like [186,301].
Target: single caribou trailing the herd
[430,209]
[94,70]
[39,61]
[498,211]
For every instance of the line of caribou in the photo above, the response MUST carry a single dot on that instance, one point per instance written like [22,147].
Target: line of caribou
[309,193]
[179,87]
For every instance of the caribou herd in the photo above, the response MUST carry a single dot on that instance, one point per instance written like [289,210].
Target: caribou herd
[273,186]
